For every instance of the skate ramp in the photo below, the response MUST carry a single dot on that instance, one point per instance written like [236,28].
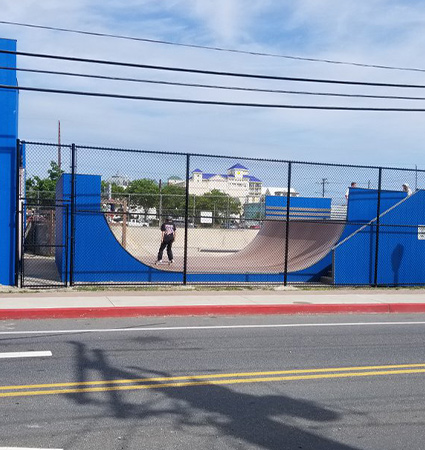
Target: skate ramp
[100,257]
[309,242]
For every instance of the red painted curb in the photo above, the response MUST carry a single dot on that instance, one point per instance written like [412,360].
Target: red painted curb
[197,310]
[406,307]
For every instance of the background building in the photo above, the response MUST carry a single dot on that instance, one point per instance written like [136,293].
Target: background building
[119,180]
[236,182]
[279,191]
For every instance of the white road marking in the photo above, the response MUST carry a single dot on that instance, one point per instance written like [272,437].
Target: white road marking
[24,355]
[28,448]
[211,327]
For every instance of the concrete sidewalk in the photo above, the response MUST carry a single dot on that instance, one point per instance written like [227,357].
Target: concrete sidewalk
[79,304]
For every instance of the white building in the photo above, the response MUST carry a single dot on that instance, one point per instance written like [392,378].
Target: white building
[279,191]
[175,180]
[119,180]
[236,182]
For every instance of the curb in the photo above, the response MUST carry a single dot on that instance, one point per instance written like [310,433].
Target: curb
[200,310]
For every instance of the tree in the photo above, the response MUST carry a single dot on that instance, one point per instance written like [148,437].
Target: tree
[172,200]
[54,172]
[115,190]
[42,190]
[145,193]
[221,204]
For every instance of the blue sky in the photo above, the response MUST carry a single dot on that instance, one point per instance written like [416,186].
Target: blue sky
[387,32]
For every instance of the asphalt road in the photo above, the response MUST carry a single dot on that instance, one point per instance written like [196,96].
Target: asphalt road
[275,382]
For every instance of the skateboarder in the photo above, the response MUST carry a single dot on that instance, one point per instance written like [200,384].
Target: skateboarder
[168,234]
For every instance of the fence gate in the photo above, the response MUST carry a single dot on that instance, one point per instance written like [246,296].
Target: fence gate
[38,211]
[39,248]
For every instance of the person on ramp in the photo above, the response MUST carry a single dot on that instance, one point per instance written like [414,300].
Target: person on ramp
[405,188]
[168,234]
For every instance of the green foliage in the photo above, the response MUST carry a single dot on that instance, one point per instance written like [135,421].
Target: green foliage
[54,172]
[145,193]
[115,191]
[173,200]
[42,190]
[219,203]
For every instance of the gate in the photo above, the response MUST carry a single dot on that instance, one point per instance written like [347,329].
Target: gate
[40,214]
[40,248]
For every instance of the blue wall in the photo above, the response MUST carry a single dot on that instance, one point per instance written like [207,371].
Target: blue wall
[401,253]
[363,203]
[99,257]
[8,136]
[300,207]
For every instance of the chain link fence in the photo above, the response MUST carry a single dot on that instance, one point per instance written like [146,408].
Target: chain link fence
[96,216]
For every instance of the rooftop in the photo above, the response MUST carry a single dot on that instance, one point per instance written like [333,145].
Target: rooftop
[237,166]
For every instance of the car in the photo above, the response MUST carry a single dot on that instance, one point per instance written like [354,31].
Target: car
[181,224]
[232,226]
[137,223]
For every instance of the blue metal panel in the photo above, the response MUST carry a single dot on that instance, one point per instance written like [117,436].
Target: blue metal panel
[8,136]
[401,258]
[354,261]
[99,257]
[300,207]
[401,253]
[362,203]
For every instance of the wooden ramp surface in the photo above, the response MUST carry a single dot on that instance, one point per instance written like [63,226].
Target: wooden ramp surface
[309,242]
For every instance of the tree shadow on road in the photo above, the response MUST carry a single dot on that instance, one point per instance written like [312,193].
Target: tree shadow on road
[274,422]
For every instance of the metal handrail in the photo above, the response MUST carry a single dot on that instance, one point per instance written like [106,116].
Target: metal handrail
[374,220]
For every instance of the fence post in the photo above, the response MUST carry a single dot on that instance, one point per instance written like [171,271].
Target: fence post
[288,204]
[18,221]
[186,220]
[22,250]
[72,220]
[66,249]
[378,212]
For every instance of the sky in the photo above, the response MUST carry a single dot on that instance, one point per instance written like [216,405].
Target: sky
[383,32]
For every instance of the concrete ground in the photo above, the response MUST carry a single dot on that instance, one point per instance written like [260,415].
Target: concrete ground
[15,304]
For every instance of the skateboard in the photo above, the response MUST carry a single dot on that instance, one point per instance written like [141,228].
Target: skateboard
[168,263]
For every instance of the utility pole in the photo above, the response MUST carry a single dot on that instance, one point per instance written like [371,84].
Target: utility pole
[324,183]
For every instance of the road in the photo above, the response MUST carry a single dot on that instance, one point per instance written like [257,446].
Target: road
[275,382]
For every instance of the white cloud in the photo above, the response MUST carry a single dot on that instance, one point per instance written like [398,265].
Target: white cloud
[372,31]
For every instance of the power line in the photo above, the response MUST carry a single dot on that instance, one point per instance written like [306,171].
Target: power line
[210,72]
[210,86]
[206,47]
[208,102]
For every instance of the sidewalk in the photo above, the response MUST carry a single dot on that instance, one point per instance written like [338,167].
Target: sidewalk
[180,302]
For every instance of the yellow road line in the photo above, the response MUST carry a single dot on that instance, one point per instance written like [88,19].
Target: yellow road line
[211,376]
[214,382]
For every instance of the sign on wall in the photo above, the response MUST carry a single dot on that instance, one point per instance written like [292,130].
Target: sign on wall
[206,217]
